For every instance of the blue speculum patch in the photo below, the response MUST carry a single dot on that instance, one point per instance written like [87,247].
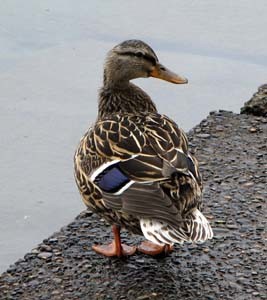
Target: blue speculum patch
[111,179]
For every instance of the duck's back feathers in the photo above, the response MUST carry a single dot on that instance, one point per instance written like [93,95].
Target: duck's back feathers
[150,139]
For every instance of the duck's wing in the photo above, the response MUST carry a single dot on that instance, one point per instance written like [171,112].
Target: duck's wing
[145,201]
[140,152]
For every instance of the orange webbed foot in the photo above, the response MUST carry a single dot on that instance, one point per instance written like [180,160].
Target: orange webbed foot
[152,249]
[114,250]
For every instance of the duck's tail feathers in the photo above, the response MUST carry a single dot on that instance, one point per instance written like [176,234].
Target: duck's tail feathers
[196,229]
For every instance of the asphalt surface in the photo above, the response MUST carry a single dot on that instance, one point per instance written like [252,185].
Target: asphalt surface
[232,150]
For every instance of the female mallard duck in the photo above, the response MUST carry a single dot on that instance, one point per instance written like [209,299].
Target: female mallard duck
[133,167]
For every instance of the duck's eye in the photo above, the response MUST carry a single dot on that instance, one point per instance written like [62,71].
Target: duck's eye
[139,54]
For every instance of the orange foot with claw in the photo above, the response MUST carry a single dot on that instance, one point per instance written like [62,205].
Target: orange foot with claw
[150,248]
[115,248]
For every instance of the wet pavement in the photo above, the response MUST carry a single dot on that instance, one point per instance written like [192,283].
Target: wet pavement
[232,150]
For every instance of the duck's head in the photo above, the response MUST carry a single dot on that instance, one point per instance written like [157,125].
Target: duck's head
[134,59]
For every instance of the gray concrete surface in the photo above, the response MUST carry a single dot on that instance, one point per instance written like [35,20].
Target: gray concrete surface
[232,151]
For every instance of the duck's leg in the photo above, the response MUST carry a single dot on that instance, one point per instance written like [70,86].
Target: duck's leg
[153,249]
[115,248]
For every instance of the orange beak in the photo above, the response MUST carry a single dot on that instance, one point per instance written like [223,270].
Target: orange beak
[159,71]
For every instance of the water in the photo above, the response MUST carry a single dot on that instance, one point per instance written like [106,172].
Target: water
[51,59]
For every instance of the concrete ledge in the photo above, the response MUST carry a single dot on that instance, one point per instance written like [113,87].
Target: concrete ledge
[232,150]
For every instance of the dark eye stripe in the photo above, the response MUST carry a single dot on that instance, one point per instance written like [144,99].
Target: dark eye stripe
[140,54]
[150,58]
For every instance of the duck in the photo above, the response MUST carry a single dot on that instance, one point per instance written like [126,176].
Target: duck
[133,166]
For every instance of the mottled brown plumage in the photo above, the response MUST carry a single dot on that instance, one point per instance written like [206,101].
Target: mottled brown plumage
[132,167]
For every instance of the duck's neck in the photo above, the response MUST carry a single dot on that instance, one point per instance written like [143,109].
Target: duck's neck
[128,98]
